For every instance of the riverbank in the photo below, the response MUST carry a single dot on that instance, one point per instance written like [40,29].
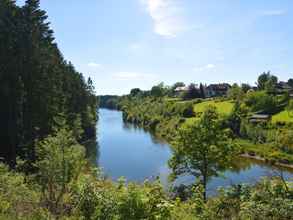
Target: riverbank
[265,152]
[164,117]
[258,158]
[135,153]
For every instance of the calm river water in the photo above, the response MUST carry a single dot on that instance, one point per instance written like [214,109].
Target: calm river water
[125,150]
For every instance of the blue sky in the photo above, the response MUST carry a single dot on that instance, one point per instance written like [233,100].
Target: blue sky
[122,44]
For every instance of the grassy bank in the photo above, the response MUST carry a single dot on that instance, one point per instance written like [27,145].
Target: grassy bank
[266,152]
[282,117]
[164,116]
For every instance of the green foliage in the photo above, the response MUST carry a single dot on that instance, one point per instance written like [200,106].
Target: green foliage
[85,194]
[272,151]
[201,149]
[284,140]
[269,199]
[17,198]
[60,159]
[245,87]
[267,81]
[108,101]
[290,108]
[255,133]
[290,82]
[160,115]
[235,93]
[234,119]
[176,85]
[135,92]
[118,201]
[191,93]
[270,86]
[158,90]
[77,126]
[37,83]
[261,101]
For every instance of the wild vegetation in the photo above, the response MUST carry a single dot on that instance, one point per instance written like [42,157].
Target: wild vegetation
[66,187]
[108,101]
[161,116]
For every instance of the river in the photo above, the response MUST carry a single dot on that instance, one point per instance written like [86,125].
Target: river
[129,151]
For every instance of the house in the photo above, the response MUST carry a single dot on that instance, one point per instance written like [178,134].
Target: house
[179,90]
[282,87]
[257,118]
[214,90]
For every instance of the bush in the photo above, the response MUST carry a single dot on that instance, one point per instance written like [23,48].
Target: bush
[159,115]
[284,140]
[17,199]
[261,101]
[269,199]
[60,160]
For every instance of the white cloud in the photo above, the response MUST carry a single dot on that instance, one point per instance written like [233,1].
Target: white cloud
[209,66]
[93,64]
[273,12]
[167,17]
[134,76]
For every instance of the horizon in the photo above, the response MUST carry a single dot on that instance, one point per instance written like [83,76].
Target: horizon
[140,43]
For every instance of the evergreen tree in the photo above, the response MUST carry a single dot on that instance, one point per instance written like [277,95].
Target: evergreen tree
[36,83]
[202,92]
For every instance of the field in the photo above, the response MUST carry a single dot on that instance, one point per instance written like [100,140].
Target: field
[223,107]
[282,117]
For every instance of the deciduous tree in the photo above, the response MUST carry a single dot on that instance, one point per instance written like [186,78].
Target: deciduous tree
[202,149]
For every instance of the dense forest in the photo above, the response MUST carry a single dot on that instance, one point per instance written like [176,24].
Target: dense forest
[38,87]
[109,101]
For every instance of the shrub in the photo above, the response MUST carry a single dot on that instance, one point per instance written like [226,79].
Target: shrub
[261,101]
[17,199]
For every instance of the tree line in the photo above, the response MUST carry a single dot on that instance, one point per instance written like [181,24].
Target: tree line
[39,89]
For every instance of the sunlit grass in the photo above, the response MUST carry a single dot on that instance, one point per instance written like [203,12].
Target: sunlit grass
[282,117]
[223,107]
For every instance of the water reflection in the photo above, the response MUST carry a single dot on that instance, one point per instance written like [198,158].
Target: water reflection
[128,150]
[136,128]
[241,164]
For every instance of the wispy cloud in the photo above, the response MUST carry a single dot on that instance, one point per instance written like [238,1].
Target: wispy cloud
[167,16]
[209,66]
[134,76]
[93,64]
[279,12]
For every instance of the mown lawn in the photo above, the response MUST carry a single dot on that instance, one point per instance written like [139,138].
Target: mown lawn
[282,117]
[223,107]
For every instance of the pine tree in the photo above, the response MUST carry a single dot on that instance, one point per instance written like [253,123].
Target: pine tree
[9,80]
[36,83]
